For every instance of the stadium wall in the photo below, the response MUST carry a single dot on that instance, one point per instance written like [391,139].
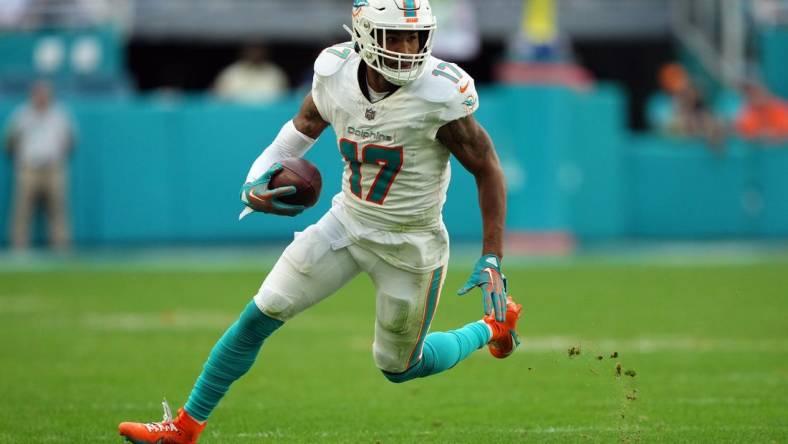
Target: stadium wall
[157,170]
[773,46]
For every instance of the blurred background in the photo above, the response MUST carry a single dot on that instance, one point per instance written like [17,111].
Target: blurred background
[133,122]
[645,145]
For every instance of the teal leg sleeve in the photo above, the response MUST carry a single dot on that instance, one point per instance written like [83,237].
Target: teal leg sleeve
[443,351]
[230,359]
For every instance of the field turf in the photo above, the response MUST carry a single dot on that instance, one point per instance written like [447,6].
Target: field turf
[705,347]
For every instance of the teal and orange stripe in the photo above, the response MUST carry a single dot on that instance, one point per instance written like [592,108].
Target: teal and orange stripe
[410,7]
[430,305]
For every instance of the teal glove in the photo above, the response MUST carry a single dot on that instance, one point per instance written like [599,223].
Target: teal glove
[487,275]
[257,196]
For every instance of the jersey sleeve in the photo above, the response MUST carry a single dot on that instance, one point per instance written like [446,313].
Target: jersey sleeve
[451,93]
[327,65]
[462,104]
[319,97]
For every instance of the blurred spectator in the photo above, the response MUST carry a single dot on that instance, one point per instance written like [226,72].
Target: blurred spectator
[763,115]
[689,115]
[12,13]
[767,11]
[39,138]
[458,39]
[251,79]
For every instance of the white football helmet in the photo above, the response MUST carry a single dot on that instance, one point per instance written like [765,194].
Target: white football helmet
[373,18]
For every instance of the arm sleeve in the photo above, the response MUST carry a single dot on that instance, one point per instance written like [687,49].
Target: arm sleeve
[288,143]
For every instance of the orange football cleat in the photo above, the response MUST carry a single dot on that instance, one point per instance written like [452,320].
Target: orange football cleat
[504,339]
[182,430]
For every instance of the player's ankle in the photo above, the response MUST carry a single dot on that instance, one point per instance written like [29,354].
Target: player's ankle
[189,419]
[489,329]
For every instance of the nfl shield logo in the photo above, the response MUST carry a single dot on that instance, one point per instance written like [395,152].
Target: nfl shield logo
[370,114]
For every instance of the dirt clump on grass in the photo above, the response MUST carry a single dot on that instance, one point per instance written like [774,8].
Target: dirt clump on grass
[631,373]
[573,351]
[618,369]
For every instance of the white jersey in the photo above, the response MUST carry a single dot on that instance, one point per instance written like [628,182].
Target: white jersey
[396,171]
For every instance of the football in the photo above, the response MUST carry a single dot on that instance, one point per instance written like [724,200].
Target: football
[304,176]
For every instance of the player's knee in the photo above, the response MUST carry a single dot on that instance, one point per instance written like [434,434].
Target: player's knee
[398,378]
[393,313]
[389,358]
[275,304]
[255,324]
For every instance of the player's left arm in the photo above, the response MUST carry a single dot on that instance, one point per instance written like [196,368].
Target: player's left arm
[471,145]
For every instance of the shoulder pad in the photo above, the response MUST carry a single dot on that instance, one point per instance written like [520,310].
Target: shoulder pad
[443,82]
[331,60]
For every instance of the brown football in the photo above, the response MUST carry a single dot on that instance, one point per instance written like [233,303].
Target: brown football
[301,174]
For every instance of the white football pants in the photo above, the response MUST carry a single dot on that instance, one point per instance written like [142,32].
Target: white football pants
[322,259]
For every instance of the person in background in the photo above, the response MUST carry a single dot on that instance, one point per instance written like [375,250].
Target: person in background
[252,79]
[39,138]
[763,116]
[13,13]
[690,114]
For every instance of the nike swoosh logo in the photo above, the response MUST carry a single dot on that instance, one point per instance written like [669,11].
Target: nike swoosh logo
[465,88]
[256,197]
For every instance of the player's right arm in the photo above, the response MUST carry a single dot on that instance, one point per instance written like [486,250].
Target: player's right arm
[294,139]
[308,120]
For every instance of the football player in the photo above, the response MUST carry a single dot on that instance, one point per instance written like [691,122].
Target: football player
[399,114]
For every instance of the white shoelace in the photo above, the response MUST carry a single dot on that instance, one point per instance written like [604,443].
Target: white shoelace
[166,424]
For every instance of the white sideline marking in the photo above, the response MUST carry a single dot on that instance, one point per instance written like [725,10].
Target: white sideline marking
[660,429]
[157,321]
[21,304]
[650,344]
[182,320]
[605,346]
[558,430]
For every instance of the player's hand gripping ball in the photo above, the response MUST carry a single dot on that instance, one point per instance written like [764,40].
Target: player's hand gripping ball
[286,189]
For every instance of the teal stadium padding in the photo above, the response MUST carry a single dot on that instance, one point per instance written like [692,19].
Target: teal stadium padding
[773,48]
[156,170]
[78,62]
[61,52]
[680,188]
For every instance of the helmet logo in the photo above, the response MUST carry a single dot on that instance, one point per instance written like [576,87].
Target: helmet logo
[410,7]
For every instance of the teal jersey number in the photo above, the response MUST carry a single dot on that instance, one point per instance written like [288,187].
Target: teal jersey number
[343,54]
[441,69]
[349,150]
[389,159]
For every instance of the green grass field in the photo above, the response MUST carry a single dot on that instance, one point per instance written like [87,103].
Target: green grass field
[83,349]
